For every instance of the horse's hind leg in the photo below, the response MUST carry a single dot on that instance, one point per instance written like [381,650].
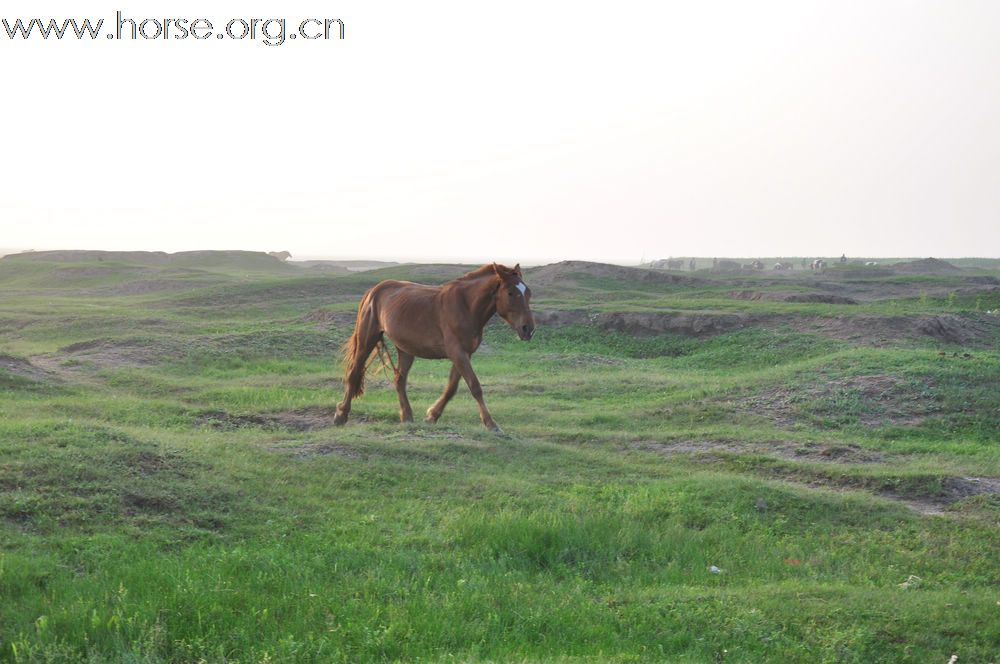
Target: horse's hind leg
[434,412]
[368,336]
[405,362]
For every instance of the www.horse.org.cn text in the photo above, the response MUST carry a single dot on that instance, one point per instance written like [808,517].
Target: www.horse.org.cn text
[268,31]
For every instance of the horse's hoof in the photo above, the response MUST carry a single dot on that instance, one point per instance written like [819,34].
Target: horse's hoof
[496,429]
[339,419]
[431,418]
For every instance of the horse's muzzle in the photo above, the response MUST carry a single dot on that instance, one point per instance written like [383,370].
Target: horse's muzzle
[526,332]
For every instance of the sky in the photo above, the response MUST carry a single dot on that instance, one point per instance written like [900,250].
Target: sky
[515,131]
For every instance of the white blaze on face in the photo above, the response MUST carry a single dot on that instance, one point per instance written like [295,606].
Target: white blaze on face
[521,287]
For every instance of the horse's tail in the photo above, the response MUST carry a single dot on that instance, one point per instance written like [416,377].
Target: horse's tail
[359,346]
[354,366]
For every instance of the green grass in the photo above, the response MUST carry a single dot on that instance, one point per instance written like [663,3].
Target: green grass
[155,508]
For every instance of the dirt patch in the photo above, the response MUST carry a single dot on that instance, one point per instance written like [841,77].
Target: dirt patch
[754,295]
[821,298]
[306,419]
[925,266]
[968,329]
[326,448]
[875,400]
[863,329]
[23,368]
[986,280]
[688,324]
[224,421]
[847,453]
[778,296]
[641,324]
[140,503]
[954,490]
[109,353]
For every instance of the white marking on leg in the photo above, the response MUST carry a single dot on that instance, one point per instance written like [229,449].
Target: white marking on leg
[521,287]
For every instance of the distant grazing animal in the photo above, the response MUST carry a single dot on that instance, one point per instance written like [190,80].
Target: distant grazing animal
[819,265]
[755,265]
[783,266]
[667,264]
[871,263]
[434,322]
[280,255]
[692,265]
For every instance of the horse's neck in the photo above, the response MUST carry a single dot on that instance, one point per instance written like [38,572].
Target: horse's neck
[480,296]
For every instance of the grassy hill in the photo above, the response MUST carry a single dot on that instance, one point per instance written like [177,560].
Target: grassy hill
[697,467]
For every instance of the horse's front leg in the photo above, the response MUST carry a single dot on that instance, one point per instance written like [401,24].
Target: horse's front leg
[463,362]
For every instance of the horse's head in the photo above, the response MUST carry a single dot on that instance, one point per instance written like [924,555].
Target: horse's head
[513,299]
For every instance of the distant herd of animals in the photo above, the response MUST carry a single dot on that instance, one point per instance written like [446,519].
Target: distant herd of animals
[817,265]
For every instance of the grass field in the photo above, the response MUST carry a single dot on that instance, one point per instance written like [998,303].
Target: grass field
[172,490]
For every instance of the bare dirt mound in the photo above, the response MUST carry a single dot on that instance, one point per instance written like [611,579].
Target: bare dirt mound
[821,298]
[570,273]
[986,280]
[641,324]
[689,324]
[778,296]
[119,353]
[970,329]
[324,448]
[871,400]
[23,368]
[848,453]
[934,496]
[306,419]
[926,266]
[953,490]
[754,296]
[864,329]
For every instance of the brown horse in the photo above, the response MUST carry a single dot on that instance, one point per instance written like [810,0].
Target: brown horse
[434,322]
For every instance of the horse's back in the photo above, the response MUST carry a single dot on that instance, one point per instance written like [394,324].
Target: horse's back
[408,314]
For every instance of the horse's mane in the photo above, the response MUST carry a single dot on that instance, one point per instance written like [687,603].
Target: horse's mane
[477,273]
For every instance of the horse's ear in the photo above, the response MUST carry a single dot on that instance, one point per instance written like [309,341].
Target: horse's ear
[496,268]
[517,270]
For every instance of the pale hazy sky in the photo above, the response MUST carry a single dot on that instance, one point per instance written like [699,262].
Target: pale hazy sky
[514,131]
